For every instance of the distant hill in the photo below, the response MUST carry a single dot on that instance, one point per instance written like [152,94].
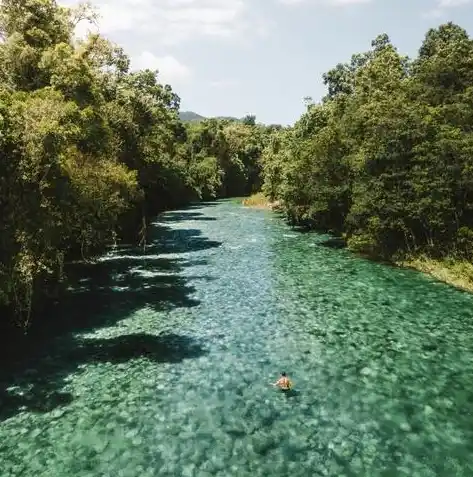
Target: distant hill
[191,116]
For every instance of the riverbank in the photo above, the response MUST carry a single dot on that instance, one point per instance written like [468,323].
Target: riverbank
[259,201]
[453,272]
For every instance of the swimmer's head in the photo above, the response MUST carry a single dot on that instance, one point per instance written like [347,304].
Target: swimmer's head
[283,374]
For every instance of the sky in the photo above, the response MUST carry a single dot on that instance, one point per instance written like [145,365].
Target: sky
[261,57]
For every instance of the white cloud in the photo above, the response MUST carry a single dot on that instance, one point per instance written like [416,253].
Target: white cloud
[168,22]
[326,2]
[150,29]
[170,69]
[443,5]
[451,3]
[225,83]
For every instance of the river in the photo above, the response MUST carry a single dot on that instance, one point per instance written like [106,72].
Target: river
[168,371]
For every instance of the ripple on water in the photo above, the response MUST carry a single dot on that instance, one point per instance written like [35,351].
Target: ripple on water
[169,372]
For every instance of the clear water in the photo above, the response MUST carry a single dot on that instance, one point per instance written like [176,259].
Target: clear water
[171,374]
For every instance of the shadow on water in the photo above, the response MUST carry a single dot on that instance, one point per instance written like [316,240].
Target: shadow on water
[102,294]
[290,393]
[178,216]
[177,241]
[337,243]
[38,389]
[201,205]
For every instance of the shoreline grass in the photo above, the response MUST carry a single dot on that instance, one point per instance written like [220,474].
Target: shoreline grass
[258,201]
[458,273]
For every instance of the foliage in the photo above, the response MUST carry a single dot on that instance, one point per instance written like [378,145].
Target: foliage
[386,158]
[89,150]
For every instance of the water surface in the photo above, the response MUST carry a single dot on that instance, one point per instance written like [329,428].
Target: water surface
[168,373]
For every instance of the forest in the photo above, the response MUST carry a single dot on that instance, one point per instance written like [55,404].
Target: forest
[91,150]
[385,160]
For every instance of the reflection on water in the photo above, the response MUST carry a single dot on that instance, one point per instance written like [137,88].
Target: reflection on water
[165,363]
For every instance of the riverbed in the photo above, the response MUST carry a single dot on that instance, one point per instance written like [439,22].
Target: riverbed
[166,361]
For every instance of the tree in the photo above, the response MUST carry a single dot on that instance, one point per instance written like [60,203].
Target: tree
[386,159]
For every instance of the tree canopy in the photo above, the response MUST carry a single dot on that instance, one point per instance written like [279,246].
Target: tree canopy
[386,158]
[89,150]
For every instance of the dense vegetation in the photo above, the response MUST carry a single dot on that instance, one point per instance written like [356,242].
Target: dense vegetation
[386,159]
[89,150]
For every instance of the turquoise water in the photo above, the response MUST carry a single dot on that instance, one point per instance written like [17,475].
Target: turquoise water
[169,373]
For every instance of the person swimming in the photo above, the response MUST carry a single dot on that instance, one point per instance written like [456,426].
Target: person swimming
[283,382]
